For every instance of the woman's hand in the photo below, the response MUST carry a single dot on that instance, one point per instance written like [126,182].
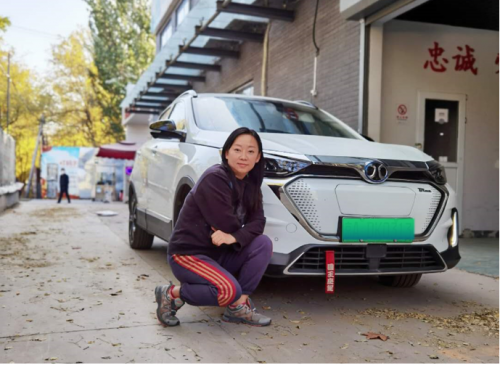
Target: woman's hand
[220,238]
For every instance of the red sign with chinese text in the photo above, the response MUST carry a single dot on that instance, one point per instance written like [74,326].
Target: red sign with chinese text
[330,272]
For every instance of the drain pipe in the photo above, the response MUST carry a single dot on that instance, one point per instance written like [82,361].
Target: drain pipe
[361,87]
[263,81]
[314,91]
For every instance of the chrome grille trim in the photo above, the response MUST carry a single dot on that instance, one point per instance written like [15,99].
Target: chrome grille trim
[287,201]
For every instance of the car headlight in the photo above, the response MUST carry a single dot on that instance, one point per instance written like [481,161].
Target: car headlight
[280,166]
[454,229]
[437,172]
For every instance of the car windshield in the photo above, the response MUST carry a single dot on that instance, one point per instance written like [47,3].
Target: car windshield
[220,113]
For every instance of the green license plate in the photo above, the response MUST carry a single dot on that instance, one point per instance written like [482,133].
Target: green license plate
[378,230]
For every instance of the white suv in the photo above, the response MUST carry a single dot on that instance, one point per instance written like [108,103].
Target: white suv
[383,209]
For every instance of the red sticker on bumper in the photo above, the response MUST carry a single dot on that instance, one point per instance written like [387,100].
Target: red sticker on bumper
[330,272]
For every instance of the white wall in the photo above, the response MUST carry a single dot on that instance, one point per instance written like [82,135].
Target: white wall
[137,133]
[405,50]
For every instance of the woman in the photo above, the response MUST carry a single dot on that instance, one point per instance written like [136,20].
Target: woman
[217,250]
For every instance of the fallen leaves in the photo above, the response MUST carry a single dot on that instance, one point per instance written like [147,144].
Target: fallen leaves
[89,259]
[375,336]
[116,293]
[485,319]
[434,357]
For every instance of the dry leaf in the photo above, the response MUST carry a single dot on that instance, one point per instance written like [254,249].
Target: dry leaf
[266,308]
[116,344]
[51,359]
[434,357]
[374,336]
[345,346]
[296,322]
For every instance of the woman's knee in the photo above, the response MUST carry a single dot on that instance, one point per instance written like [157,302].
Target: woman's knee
[263,243]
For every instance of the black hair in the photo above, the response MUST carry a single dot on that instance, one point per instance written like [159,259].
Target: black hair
[253,193]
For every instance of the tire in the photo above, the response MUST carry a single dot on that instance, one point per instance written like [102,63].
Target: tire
[138,238]
[400,281]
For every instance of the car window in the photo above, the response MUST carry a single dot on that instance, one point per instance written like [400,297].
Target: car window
[166,113]
[221,113]
[178,115]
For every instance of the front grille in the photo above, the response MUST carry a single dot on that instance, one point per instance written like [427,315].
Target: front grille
[364,259]
[325,170]
[420,176]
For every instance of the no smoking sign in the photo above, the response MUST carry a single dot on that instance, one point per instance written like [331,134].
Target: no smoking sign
[402,112]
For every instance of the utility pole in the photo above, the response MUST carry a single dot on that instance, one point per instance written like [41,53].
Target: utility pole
[8,91]
[42,122]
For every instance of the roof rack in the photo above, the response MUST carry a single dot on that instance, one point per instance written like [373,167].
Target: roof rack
[306,103]
[189,92]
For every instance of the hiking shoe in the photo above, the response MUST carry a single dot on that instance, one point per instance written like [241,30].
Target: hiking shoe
[246,313]
[167,306]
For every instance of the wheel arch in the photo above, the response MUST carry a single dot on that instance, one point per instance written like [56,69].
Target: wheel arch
[184,186]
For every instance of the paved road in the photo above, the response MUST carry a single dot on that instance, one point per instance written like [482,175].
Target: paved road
[71,290]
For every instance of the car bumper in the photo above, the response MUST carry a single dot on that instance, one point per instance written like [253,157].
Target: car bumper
[375,259]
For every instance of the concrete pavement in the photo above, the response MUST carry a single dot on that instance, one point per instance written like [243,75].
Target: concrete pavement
[73,291]
[479,255]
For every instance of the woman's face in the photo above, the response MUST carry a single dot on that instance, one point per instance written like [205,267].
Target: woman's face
[243,155]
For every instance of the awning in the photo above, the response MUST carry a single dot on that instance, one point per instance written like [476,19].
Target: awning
[121,150]
[212,30]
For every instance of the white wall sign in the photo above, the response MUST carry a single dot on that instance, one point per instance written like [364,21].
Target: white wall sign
[441,115]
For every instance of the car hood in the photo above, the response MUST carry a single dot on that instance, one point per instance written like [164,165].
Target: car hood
[320,146]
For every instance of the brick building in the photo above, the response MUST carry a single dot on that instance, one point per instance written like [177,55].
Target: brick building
[380,68]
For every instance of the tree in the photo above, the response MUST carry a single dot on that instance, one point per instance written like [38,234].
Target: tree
[27,101]
[123,48]
[78,119]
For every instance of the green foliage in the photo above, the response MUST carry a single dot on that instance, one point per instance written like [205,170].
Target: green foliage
[27,102]
[123,48]
[4,23]
[78,117]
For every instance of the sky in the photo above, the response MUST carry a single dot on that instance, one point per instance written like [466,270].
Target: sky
[36,25]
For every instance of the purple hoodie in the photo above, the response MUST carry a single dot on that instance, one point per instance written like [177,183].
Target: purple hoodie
[210,204]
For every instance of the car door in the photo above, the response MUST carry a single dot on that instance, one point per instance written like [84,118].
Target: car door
[149,155]
[167,159]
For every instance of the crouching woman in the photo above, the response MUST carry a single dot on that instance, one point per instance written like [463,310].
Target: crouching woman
[217,250]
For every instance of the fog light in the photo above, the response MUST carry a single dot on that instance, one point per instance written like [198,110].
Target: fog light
[453,232]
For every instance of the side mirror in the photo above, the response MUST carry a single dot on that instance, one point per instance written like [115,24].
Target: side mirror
[166,129]
[367,138]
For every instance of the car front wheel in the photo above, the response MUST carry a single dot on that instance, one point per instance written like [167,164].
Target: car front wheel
[400,281]
[138,238]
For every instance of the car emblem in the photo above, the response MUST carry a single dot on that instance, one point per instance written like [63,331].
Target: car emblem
[376,171]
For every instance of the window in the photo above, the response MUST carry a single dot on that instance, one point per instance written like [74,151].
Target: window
[182,11]
[165,114]
[178,115]
[246,89]
[166,33]
[266,116]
